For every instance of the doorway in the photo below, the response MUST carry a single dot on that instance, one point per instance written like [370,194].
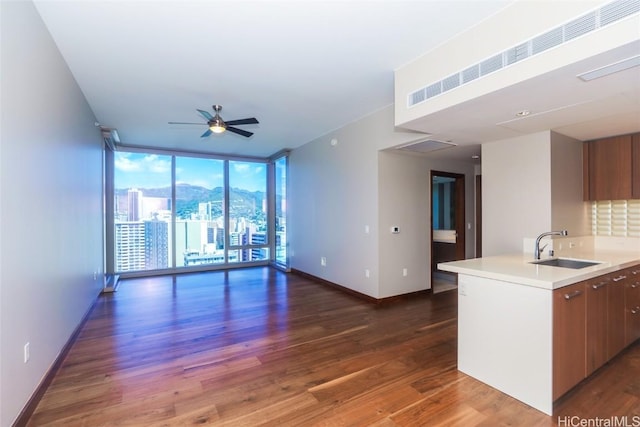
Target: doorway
[447,226]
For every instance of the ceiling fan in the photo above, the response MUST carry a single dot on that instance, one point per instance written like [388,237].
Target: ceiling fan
[217,125]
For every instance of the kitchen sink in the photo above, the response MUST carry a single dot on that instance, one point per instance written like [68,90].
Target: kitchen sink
[566,263]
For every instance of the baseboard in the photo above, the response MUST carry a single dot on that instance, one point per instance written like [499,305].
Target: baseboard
[357,294]
[33,402]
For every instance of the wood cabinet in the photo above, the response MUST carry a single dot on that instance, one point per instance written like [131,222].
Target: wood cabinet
[569,337]
[597,326]
[615,313]
[608,163]
[632,306]
[593,321]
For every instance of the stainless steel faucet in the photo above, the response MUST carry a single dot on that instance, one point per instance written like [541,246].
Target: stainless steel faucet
[537,249]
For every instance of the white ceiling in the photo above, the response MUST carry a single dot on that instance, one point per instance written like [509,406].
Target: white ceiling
[303,68]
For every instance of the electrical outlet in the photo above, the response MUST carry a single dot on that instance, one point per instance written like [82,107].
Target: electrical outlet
[27,353]
[366,273]
[323,261]
[404,272]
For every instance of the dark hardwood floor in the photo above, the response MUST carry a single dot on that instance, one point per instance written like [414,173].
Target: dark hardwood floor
[259,347]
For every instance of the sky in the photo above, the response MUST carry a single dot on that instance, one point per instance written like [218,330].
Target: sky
[143,170]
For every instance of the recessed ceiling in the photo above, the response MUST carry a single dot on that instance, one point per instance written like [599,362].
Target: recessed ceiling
[301,68]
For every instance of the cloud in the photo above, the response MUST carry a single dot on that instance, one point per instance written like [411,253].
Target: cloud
[125,164]
[150,163]
[154,164]
[241,167]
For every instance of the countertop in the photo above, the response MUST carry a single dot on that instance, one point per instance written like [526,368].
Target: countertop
[517,268]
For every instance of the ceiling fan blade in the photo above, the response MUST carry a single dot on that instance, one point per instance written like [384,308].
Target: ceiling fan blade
[250,121]
[239,131]
[207,133]
[205,114]
[186,123]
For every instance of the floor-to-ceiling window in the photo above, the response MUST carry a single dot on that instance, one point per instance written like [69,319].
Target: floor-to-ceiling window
[199,211]
[174,212]
[280,216]
[142,212]
[248,237]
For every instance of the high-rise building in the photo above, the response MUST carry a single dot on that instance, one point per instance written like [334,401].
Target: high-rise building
[156,244]
[259,254]
[220,238]
[129,246]
[134,205]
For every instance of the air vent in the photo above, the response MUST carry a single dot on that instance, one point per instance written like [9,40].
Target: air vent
[418,96]
[490,65]
[517,53]
[617,10]
[471,73]
[426,146]
[579,27]
[451,82]
[433,90]
[546,41]
[573,29]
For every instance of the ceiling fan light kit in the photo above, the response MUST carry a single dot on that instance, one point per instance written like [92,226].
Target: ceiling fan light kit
[217,125]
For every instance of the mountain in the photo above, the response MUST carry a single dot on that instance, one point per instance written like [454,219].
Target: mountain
[243,202]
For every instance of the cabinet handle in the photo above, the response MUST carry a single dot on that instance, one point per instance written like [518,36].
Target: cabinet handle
[597,286]
[635,285]
[635,310]
[572,295]
[617,279]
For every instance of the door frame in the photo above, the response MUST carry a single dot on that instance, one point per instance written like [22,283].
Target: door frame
[460,210]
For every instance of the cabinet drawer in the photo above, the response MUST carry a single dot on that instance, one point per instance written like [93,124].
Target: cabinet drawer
[632,308]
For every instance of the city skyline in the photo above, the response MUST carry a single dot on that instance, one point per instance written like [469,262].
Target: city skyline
[150,230]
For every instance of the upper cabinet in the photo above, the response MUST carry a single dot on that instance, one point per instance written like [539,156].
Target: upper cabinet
[612,168]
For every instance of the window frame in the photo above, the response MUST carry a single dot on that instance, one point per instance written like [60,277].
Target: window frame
[173,269]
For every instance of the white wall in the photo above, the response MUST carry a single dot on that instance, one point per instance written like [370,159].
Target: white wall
[333,197]
[334,194]
[339,190]
[51,212]
[516,188]
[530,185]
[405,201]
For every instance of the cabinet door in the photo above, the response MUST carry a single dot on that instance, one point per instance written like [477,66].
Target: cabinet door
[632,309]
[569,337]
[597,330]
[615,314]
[610,168]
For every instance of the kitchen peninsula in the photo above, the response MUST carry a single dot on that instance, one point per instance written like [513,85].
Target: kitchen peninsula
[534,331]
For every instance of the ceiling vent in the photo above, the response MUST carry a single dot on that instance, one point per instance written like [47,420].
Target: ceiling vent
[577,27]
[426,146]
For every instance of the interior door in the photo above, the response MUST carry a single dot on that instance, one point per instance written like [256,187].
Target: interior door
[447,217]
